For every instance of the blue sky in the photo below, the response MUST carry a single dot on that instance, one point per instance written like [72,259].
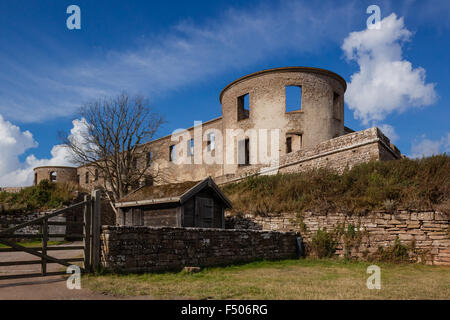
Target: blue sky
[180,54]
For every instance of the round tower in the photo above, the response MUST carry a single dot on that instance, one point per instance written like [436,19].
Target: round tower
[55,174]
[258,101]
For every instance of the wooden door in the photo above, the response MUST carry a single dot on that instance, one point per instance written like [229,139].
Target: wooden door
[204,208]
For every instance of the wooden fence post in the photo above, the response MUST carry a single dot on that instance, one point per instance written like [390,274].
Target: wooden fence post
[96,229]
[87,233]
[44,245]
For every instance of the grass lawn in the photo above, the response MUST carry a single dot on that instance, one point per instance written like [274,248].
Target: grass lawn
[32,244]
[287,279]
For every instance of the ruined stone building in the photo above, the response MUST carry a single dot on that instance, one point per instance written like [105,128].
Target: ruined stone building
[311,135]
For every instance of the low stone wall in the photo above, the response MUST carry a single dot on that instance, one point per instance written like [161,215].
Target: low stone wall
[74,216]
[11,220]
[429,230]
[147,249]
[11,189]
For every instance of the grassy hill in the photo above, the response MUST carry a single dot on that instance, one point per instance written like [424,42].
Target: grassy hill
[44,196]
[419,184]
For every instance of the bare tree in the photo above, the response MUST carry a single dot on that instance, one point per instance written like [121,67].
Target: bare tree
[115,144]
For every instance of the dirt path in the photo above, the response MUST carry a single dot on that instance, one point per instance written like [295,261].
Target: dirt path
[42,288]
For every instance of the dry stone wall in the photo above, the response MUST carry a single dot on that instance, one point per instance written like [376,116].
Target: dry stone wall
[11,220]
[146,249]
[428,230]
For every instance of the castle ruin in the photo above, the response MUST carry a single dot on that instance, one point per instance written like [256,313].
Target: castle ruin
[312,135]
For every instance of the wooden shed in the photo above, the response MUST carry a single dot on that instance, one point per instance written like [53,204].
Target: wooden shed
[188,204]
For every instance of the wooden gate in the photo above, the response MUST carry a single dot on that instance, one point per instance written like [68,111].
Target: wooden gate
[91,240]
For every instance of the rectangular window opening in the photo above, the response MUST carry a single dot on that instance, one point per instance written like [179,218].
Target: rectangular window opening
[288,144]
[243,107]
[293,98]
[149,158]
[211,142]
[336,108]
[172,153]
[190,147]
[244,152]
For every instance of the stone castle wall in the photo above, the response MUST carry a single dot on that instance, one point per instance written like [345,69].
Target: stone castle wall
[63,174]
[429,230]
[320,115]
[147,249]
[311,136]
[336,154]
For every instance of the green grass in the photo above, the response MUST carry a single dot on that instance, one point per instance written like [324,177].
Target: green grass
[287,279]
[31,244]
[405,183]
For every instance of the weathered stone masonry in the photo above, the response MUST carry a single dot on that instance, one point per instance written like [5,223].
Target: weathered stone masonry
[311,136]
[335,154]
[429,230]
[147,249]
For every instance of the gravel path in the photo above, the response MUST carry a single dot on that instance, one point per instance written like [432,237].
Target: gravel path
[41,288]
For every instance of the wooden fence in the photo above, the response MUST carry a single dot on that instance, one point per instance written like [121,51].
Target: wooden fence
[91,240]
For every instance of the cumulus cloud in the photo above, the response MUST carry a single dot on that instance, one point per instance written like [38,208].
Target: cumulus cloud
[426,147]
[385,82]
[14,142]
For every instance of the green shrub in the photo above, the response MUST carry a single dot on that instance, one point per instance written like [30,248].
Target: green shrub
[323,244]
[396,253]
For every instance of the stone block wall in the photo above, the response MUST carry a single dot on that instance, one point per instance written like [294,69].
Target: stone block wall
[11,189]
[429,230]
[147,249]
[63,174]
[335,154]
[74,216]
[11,220]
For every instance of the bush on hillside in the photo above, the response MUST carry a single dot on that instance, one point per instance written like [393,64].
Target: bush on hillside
[406,183]
[45,195]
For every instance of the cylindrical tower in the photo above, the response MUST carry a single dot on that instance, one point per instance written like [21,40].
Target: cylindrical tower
[258,101]
[55,174]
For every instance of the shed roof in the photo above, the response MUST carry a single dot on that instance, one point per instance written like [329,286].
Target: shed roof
[170,193]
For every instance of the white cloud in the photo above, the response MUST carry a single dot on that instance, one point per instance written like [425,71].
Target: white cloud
[14,142]
[389,131]
[427,147]
[385,82]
